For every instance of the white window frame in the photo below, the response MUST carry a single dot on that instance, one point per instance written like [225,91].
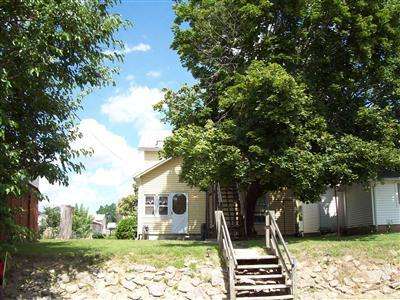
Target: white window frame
[167,206]
[154,205]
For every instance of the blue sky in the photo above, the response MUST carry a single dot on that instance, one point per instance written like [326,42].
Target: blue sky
[114,118]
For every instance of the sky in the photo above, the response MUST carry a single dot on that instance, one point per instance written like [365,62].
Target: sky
[113,119]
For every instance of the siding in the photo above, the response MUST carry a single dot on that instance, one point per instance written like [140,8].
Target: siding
[284,206]
[311,217]
[387,204]
[328,213]
[164,180]
[358,206]
[151,156]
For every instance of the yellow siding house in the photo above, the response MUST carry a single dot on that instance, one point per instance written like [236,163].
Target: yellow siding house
[167,207]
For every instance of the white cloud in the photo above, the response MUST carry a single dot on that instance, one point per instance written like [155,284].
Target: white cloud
[135,106]
[141,47]
[153,74]
[108,174]
[130,77]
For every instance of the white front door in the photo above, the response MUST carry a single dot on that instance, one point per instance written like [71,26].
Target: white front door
[179,204]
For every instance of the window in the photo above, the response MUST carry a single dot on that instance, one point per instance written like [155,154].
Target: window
[179,204]
[163,205]
[149,205]
[259,213]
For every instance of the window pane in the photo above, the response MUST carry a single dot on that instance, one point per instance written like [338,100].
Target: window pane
[163,210]
[149,200]
[163,201]
[260,219]
[179,204]
[149,210]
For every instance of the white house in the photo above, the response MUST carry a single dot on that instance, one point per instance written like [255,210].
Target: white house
[356,208]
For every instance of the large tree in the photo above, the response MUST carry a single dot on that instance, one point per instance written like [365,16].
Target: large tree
[51,54]
[289,94]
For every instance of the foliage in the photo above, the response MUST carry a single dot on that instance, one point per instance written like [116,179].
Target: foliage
[98,236]
[289,94]
[127,228]
[52,54]
[81,222]
[51,219]
[110,210]
[127,206]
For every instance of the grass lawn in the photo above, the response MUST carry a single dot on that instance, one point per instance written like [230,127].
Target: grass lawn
[157,253]
[374,246]
[171,252]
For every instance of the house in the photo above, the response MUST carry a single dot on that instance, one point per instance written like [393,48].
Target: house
[99,224]
[168,207]
[111,227]
[356,208]
[26,211]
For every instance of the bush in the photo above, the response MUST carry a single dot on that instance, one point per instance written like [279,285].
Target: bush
[97,235]
[126,228]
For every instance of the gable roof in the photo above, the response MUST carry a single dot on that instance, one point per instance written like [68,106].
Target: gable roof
[161,162]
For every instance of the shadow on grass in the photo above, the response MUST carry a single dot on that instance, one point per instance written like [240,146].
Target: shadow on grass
[35,268]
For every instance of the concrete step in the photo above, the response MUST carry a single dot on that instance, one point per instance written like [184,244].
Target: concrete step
[261,276]
[258,266]
[260,287]
[280,297]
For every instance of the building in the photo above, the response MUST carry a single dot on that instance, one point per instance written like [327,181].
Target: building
[99,224]
[25,209]
[168,207]
[356,208]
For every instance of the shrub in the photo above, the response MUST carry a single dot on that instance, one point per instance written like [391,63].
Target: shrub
[81,222]
[97,235]
[127,228]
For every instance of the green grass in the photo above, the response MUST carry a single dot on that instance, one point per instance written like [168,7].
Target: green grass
[374,246]
[157,253]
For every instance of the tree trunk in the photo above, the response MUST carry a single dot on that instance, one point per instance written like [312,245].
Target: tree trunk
[254,191]
[66,222]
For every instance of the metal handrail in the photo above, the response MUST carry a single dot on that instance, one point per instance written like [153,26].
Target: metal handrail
[272,230]
[224,237]
[226,247]
[288,255]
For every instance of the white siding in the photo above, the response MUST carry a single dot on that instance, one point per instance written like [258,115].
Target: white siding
[328,213]
[311,217]
[387,204]
[358,206]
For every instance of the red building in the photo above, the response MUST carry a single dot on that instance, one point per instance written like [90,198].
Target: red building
[28,211]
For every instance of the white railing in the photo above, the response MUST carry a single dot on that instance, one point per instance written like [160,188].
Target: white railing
[273,241]
[227,251]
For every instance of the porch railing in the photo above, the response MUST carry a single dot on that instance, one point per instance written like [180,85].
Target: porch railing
[227,251]
[274,242]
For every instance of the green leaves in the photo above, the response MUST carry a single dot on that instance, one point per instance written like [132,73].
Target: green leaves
[289,94]
[51,52]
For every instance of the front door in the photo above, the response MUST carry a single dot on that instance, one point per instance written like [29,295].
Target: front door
[179,205]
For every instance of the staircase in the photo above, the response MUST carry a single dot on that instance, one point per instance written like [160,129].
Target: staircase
[229,204]
[261,277]
[254,276]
